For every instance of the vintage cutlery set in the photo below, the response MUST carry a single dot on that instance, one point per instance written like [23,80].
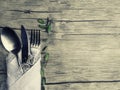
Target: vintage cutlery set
[12,43]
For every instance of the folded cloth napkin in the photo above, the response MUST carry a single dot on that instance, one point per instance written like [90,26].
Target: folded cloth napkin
[28,80]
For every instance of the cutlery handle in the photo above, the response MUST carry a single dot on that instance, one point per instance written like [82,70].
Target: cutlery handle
[19,64]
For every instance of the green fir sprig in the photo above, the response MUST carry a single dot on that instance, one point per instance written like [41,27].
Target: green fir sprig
[45,25]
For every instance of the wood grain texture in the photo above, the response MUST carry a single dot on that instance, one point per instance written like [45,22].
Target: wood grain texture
[88,86]
[84,43]
[84,57]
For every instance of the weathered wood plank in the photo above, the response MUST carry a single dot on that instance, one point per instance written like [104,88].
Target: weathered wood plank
[88,86]
[90,19]
[84,57]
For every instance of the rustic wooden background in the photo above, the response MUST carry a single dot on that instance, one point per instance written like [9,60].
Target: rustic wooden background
[84,42]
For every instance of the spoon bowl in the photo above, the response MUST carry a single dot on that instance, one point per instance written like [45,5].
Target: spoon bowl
[10,40]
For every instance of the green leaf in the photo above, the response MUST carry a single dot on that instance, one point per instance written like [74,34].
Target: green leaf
[42,26]
[42,72]
[49,28]
[44,40]
[41,21]
[43,80]
[44,48]
[42,87]
[46,57]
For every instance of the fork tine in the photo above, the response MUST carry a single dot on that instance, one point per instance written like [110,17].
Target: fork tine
[34,38]
[38,37]
[31,37]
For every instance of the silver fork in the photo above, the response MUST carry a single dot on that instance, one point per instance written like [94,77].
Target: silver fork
[34,40]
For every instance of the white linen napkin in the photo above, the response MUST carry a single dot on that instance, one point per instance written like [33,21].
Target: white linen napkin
[31,79]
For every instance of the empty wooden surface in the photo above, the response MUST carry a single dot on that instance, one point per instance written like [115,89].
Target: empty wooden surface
[84,43]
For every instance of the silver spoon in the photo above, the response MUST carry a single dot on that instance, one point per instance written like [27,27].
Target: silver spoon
[11,41]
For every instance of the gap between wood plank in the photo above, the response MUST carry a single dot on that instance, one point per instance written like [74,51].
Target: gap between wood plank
[30,11]
[74,82]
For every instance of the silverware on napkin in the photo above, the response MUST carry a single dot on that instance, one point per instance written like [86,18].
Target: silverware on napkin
[29,51]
